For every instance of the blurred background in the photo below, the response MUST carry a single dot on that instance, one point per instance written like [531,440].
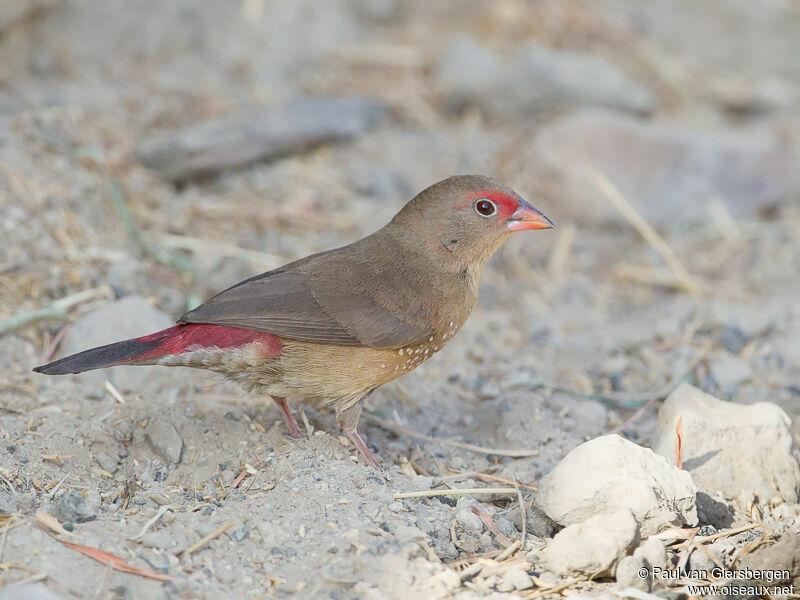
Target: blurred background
[152,153]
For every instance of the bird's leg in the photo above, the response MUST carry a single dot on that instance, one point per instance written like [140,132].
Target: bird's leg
[348,420]
[294,429]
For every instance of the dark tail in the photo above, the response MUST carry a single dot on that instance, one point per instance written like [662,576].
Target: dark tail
[119,353]
[176,340]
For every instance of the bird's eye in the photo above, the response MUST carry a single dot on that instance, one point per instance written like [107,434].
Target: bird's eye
[485,208]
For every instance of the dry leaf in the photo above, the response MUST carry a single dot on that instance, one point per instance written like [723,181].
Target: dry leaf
[115,562]
[679,442]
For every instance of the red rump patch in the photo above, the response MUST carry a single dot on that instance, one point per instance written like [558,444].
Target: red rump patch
[196,336]
[506,204]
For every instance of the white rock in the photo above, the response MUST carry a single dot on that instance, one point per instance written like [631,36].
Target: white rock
[653,552]
[127,318]
[666,171]
[409,533]
[165,441]
[729,372]
[518,578]
[593,547]
[629,573]
[732,448]
[470,73]
[609,474]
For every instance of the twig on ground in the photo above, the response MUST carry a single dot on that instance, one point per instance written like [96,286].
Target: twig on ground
[210,537]
[456,492]
[51,349]
[114,392]
[161,511]
[650,235]
[509,551]
[720,534]
[513,453]
[523,513]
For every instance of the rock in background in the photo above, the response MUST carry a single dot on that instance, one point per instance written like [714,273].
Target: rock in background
[608,474]
[742,451]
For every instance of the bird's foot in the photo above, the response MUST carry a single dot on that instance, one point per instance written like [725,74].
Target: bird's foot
[294,428]
[359,443]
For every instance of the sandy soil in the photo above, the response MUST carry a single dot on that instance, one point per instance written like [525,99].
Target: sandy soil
[562,328]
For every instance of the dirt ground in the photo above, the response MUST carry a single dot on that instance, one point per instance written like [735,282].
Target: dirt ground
[575,329]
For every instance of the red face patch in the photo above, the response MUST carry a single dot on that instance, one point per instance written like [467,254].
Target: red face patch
[506,204]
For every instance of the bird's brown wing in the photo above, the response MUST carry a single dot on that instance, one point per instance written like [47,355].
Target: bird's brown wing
[314,300]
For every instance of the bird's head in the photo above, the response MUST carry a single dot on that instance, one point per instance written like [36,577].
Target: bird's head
[466,217]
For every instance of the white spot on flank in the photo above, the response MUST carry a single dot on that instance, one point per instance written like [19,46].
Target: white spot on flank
[400,352]
[451,323]
[383,365]
[430,339]
[426,351]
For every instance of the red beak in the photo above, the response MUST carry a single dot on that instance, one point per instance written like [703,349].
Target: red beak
[527,217]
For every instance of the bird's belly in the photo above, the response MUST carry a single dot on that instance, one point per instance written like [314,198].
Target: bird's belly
[339,374]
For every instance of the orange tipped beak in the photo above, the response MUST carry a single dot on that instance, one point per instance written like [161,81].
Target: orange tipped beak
[527,217]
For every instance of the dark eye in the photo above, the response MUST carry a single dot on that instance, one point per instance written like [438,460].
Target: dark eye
[485,208]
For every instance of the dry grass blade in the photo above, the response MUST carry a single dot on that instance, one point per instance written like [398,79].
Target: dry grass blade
[676,534]
[650,235]
[57,310]
[720,534]
[50,522]
[396,427]
[113,561]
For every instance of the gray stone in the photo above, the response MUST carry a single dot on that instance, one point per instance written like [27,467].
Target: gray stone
[409,533]
[32,591]
[653,552]
[667,172]
[470,522]
[629,573]
[106,462]
[157,539]
[234,141]
[72,506]
[729,371]
[164,440]
[537,523]
[700,561]
[593,547]
[8,503]
[731,448]
[130,317]
[608,474]
[518,578]
[534,79]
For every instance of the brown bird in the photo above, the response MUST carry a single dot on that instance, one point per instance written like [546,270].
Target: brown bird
[331,327]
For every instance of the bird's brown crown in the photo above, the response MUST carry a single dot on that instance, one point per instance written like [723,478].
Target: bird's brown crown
[464,218]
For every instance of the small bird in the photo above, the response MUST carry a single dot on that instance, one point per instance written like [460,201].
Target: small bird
[331,327]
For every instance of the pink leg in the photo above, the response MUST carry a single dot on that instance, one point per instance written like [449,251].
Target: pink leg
[363,448]
[348,420]
[294,430]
